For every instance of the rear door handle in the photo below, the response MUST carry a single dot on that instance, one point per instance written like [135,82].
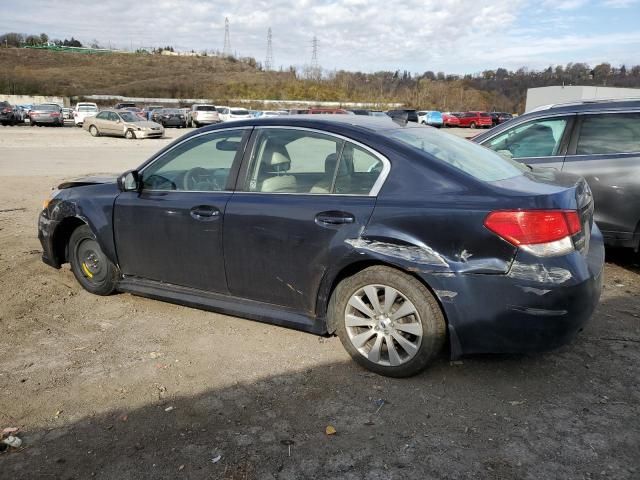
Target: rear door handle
[205,212]
[334,218]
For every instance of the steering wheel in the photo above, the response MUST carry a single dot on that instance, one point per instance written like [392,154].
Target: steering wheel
[199,178]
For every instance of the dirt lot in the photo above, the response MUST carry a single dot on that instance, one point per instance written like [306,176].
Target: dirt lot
[128,388]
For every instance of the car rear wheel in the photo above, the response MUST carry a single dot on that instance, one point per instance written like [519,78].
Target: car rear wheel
[129,135]
[388,321]
[93,270]
[472,125]
[93,130]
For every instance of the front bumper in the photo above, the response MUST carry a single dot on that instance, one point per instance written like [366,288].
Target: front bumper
[539,305]
[46,227]
[149,133]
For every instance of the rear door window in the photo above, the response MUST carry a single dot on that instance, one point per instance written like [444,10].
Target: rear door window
[537,138]
[609,133]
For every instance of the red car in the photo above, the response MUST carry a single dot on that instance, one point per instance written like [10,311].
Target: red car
[476,119]
[450,120]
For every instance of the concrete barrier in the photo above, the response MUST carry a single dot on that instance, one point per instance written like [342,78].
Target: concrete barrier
[33,99]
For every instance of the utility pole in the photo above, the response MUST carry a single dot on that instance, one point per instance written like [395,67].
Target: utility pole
[226,51]
[268,62]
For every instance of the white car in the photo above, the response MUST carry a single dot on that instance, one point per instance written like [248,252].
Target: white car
[270,114]
[83,110]
[233,113]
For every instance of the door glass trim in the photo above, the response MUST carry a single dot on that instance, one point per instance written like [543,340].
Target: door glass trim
[375,189]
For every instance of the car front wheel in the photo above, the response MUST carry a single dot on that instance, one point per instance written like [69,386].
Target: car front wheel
[388,321]
[129,135]
[472,125]
[91,267]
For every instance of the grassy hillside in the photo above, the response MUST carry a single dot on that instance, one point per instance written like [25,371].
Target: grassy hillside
[27,71]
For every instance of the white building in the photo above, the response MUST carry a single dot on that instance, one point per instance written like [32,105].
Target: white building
[537,97]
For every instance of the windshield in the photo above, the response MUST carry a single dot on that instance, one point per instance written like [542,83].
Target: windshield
[206,108]
[171,111]
[87,108]
[477,161]
[47,108]
[130,117]
[239,111]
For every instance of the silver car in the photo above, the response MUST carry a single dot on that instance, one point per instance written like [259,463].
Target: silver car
[122,123]
[46,114]
[203,114]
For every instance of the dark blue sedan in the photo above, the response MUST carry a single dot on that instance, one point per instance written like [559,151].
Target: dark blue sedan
[400,239]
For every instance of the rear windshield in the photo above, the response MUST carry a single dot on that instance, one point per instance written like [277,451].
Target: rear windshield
[474,160]
[46,108]
[206,108]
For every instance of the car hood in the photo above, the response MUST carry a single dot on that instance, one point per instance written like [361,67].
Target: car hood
[142,124]
[89,180]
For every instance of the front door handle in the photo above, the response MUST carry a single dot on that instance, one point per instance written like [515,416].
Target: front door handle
[205,212]
[334,218]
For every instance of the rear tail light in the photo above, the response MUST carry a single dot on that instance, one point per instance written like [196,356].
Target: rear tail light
[541,232]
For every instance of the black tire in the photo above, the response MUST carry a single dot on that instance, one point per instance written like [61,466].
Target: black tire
[429,317]
[93,270]
[130,135]
[93,130]
[33,124]
[472,125]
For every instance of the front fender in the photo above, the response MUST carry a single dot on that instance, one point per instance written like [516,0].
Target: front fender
[91,204]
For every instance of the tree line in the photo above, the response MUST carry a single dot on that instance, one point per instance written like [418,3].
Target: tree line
[13,39]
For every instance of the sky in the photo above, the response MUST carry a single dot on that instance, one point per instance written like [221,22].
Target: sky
[454,36]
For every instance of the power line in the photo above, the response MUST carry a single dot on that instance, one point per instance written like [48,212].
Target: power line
[226,51]
[268,62]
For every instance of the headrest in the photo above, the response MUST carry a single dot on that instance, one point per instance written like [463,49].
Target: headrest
[330,165]
[275,155]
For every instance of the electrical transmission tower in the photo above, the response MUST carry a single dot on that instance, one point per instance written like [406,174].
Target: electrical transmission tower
[268,63]
[226,51]
[314,54]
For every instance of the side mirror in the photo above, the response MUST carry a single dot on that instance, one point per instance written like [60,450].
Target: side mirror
[130,181]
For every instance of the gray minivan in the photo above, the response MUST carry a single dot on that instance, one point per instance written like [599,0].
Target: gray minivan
[599,140]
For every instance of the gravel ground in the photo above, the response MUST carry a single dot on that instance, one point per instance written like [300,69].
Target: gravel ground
[123,387]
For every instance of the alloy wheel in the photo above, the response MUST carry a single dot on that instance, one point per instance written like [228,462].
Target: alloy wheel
[383,325]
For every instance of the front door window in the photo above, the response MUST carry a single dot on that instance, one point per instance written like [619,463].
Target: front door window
[538,138]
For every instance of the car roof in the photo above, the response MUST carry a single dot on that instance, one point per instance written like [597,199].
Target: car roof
[590,105]
[320,121]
